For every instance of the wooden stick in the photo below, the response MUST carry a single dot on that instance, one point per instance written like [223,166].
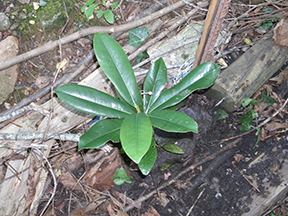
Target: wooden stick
[216,13]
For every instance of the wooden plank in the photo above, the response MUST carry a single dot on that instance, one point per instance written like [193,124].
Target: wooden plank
[260,203]
[247,74]
[13,191]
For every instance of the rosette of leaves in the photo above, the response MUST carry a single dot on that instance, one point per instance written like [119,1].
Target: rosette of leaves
[132,116]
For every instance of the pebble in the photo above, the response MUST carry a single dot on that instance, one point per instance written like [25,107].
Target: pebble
[14,26]
[4,22]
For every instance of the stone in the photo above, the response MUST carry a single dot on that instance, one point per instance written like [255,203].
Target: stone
[54,15]
[14,26]
[8,49]
[4,22]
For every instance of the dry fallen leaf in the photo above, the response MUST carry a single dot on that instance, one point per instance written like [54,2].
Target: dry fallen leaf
[151,212]
[238,157]
[275,126]
[281,33]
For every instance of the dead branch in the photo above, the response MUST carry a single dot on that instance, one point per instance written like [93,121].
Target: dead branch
[12,112]
[162,34]
[39,135]
[92,30]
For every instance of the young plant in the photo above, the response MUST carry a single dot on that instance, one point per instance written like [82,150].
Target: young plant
[89,8]
[131,118]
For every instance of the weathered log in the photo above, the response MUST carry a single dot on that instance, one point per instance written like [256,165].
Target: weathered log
[247,74]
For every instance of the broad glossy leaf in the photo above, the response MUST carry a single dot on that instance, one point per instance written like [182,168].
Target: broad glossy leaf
[173,121]
[116,66]
[147,162]
[154,82]
[93,101]
[201,77]
[137,36]
[100,133]
[136,135]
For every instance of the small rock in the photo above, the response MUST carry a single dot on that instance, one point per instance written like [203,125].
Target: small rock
[4,22]
[42,81]
[14,26]
[14,33]
[8,50]
[22,16]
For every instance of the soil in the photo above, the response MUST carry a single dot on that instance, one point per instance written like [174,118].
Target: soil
[224,184]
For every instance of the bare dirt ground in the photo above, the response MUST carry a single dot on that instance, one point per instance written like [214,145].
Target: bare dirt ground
[216,175]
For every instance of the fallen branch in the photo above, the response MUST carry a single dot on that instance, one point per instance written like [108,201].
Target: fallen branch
[162,34]
[39,135]
[12,112]
[92,30]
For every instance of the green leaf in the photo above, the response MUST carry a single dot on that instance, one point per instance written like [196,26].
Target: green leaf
[137,36]
[100,133]
[100,13]
[173,121]
[116,66]
[268,101]
[93,101]
[90,2]
[141,56]
[247,101]
[90,10]
[173,148]
[165,166]
[114,5]
[136,136]
[121,177]
[221,114]
[109,16]
[147,162]
[154,82]
[201,77]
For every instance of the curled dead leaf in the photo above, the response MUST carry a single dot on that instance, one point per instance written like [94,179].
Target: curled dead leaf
[272,126]
[281,33]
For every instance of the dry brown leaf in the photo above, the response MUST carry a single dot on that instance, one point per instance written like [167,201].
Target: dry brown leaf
[151,212]
[282,76]
[163,199]
[263,134]
[281,33]
[100,175]
[272,126]
[238,157]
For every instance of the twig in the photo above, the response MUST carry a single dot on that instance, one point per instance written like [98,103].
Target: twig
[258,126]
[65,79]
[39,135]
[92,30]
[245,177]
[162,35]
[23,110]
[182,173]
[200,194]
[165,52]
[54,181]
